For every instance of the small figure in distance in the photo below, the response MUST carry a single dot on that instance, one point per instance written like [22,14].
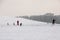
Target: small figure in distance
[7,23]
[13,23]
[53,21]
[20,24]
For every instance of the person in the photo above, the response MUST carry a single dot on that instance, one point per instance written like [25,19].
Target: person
[13,23]
[7,23]
[20,24]
[53,21]
[17,22]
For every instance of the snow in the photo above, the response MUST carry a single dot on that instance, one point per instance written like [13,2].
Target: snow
[30,30]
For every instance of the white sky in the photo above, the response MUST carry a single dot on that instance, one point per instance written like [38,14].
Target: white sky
[28,7]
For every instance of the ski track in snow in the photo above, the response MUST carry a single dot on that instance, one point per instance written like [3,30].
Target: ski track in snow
[30,30]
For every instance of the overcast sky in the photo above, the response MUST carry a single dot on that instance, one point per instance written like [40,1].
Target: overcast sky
[28,7]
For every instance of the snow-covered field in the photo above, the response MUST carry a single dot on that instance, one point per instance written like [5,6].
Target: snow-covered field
[30,30]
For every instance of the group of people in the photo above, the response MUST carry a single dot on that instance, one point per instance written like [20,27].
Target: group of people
[53,22]
[19,23]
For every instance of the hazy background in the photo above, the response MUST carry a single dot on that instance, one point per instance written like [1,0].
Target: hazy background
[29,7]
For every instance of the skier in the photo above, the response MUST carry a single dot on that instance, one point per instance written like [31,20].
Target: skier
[53,21]
[7,23]
[13,23]
[20,24]
[17,22]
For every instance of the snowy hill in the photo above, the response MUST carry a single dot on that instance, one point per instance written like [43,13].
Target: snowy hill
[5,19]
[30,30]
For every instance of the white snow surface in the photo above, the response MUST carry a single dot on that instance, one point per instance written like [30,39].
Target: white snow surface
[30,30]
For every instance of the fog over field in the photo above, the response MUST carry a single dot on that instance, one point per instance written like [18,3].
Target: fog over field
[29,19]
[29,7]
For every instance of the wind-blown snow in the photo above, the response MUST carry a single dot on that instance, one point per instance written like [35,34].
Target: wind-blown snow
[30,30]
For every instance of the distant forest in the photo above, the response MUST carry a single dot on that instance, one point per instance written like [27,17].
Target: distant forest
[48,17]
